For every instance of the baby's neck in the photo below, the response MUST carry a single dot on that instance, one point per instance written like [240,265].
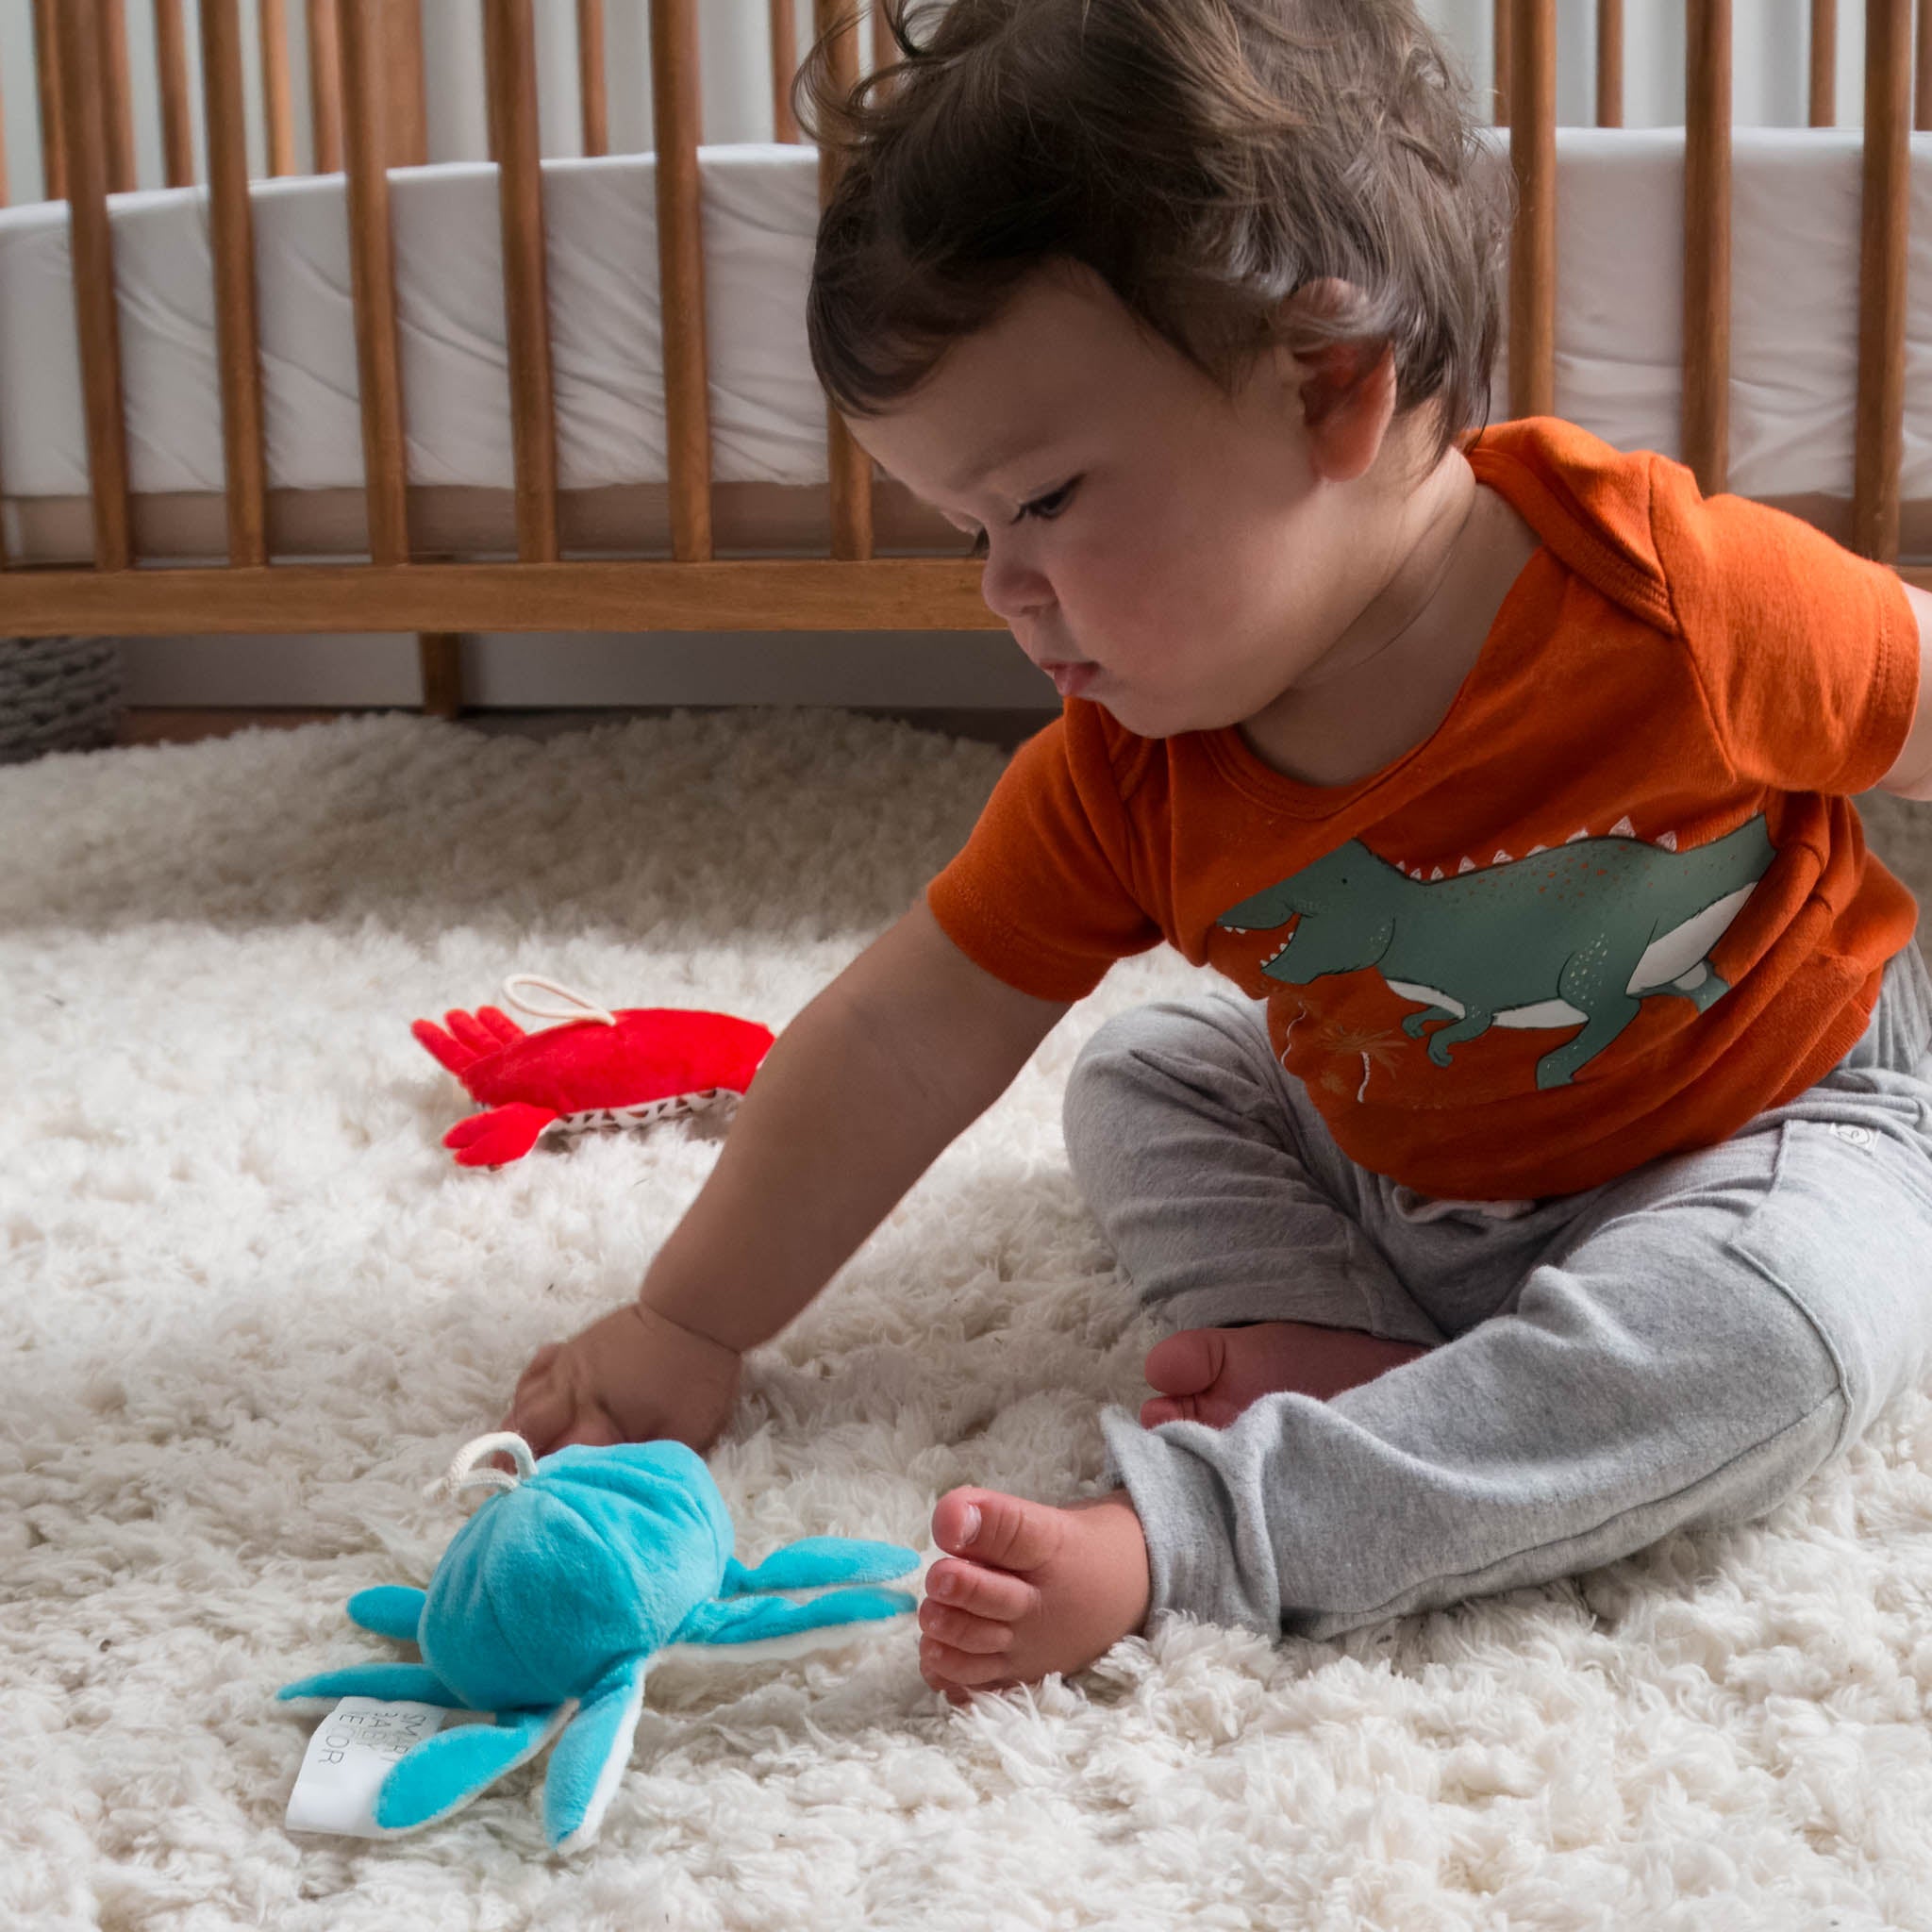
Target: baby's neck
[1385,687]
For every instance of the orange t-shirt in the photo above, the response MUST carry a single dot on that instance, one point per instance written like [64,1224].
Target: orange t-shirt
[1615,904]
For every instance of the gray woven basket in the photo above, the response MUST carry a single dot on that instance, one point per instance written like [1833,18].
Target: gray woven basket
[57,694]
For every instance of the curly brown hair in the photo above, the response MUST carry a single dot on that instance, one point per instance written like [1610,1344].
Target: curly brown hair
[1206,159]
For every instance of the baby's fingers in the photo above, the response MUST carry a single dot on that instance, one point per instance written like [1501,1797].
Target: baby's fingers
[542,1407]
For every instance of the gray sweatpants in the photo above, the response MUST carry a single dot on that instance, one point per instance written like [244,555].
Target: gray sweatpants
[1684,1345]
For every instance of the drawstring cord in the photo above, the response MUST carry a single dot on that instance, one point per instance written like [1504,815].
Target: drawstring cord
[576,1006]
[462,1474]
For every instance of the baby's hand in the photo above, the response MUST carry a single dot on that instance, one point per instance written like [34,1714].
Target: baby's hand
[634,1376]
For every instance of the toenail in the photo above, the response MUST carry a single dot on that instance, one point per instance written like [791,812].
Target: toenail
[969,1524]
[944,1584]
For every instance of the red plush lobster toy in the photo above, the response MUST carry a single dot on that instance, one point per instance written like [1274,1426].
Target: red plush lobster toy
[597,1069]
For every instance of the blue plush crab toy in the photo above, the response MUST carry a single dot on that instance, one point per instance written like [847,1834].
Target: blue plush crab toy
[553,1599]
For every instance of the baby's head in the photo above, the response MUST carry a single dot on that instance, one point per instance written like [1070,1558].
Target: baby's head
[1175,303]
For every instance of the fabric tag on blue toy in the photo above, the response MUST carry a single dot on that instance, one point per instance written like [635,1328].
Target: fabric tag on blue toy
[353,1750]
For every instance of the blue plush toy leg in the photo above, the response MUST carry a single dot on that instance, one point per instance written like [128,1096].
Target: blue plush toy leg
[717,1622]
[390,1610]
[409,1683]
[443,1774]
[591,1756]
[820,1559]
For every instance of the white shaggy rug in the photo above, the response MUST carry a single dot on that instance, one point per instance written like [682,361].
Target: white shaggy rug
[250,1308]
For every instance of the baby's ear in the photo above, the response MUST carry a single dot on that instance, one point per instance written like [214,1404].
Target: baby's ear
[1348,401]
[1346,387]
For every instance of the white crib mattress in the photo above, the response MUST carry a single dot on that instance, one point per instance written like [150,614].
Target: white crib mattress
[1795,330]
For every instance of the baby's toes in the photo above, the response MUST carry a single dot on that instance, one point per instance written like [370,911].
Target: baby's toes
[996,1593]
[1187,1362]
[944,1667]
[962,1631]
[1175,1408]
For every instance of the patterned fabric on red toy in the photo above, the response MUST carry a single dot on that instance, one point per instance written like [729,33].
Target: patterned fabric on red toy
[619,1069]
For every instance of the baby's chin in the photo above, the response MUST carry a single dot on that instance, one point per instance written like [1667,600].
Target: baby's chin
[1155,721]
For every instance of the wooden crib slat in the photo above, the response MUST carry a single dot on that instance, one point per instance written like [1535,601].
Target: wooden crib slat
[509,58]
[171,74]
[1822,109]
[371,265]
[47,90]
[1609,64]
[674,106]
[1922,102]
[1502,58]
[231,233]
[117,95]
[277,91]
[91,249]
[1706,419]
[1533,241]
[784,66]
[407,114]
[850,467]
[325,86]
[1882,278]
[593,96]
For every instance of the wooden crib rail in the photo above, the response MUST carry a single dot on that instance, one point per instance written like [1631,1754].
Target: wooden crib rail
[592,97]
[278,91]
[1823,73]
[117,93]
[324,86]
[366,133]
[1530,45]
[171,75]
[850,468]
[1705,422]
[681,277]
[232,236]
[84,81]
[1880,438]
[47,91]
[509,45]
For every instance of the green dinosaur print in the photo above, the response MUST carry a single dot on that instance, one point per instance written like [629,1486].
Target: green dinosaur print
[1576,935]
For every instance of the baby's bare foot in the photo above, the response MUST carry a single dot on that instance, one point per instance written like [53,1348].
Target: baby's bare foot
[1027,1589]
[1210,1375]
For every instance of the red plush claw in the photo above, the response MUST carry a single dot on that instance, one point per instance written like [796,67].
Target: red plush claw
[505,1133]
[472,1037]
[621,1069]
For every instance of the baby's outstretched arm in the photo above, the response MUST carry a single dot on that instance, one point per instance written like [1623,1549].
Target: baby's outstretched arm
[864,1089]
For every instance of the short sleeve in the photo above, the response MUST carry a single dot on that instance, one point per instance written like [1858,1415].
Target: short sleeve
[1035,895]
[1808,654]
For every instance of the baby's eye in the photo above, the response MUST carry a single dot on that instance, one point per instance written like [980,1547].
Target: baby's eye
[1045,508]
[1048,506]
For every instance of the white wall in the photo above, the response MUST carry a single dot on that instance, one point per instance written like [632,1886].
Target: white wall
[1769,87]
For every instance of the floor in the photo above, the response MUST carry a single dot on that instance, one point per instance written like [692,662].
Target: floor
[1006,728]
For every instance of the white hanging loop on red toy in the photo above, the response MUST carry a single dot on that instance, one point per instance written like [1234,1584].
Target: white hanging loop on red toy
[578,1008]
[463,1474]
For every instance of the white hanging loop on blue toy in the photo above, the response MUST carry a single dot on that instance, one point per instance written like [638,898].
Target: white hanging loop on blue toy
[578,1007]
[462,1474]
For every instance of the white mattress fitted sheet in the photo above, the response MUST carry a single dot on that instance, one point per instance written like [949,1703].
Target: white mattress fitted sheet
[1620,200]
[768,414]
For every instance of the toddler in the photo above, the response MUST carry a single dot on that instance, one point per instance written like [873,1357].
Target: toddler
[1557,1172]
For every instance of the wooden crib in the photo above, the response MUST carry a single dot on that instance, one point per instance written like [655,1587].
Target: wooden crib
[367,98]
